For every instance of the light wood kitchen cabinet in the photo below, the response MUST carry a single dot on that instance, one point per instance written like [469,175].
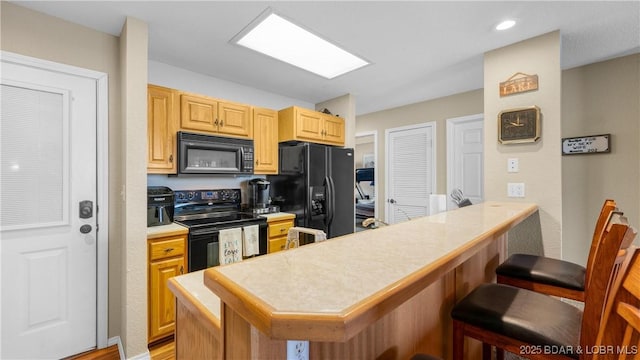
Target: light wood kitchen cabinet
[162,124]
[296,123]
[265,141]
[216,117]
[166,259]
[278,230]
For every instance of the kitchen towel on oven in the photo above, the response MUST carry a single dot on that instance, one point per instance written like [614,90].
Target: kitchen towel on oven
[230,245]
[250,239]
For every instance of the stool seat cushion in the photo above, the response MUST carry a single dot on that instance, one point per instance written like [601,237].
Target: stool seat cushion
[523,315]
[543,270]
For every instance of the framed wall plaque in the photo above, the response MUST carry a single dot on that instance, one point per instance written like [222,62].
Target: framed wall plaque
[586,144]
[519,125]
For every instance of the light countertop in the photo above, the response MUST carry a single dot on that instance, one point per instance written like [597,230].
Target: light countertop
[278,216]
[189,289]
[154,232]
[340,278]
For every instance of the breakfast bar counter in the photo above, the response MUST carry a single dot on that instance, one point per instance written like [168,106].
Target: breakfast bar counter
[378,293]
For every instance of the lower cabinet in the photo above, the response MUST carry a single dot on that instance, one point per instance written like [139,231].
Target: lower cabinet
[278,230]
[166,260]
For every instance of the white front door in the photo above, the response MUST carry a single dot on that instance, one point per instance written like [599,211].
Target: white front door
[410,164]
[47,212]
[465,158]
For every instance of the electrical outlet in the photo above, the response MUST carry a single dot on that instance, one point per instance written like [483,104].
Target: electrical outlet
[515,190]
[297,350]
[512,165]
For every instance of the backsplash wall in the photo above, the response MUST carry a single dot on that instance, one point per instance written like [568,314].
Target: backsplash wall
[203,182]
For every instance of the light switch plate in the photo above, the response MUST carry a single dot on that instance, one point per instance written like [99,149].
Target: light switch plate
[513,165]
[515,190]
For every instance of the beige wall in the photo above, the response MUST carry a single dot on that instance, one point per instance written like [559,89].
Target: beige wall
[438,110]
[540,163]
[601,98]
[41,36]
[134,59]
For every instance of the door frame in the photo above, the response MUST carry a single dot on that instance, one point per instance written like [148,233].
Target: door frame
[451,146]
[102,177]
[434,158]
[374,133]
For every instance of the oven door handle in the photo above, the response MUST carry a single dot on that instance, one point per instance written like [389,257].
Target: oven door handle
[203,231]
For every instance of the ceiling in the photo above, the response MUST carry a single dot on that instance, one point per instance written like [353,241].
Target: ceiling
[419,50]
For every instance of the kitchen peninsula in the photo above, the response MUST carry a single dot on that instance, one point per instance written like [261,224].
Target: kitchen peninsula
[384,293]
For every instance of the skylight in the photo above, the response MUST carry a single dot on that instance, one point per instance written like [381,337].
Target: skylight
[281,39]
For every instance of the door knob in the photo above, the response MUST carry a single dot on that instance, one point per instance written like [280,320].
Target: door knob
[392,201]
[85,229]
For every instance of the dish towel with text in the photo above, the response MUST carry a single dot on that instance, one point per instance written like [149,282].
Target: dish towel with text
[251,238]
[230,245]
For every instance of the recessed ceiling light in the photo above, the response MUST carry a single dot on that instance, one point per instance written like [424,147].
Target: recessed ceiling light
[277,37]
[507,24]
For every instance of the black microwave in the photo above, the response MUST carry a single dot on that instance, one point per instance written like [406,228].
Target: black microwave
[206,154]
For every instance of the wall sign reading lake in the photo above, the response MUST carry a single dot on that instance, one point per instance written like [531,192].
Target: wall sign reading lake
[586,144]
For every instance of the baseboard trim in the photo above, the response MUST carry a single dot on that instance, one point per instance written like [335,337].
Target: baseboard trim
[116,341]
[144,356]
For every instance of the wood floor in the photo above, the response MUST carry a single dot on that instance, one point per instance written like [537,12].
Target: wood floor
[109,353]
[165,351]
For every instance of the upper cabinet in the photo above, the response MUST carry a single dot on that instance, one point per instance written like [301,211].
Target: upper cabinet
[205,114]
[265,141]
[307,125]
[162,124]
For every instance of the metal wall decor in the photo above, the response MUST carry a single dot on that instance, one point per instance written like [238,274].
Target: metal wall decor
[519,125]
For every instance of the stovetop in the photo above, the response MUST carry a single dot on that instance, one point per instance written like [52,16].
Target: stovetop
[211,208]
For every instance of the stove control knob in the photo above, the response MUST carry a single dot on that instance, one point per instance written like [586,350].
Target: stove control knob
[190,195]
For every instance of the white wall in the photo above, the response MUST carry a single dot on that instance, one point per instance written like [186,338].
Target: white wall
[181,79]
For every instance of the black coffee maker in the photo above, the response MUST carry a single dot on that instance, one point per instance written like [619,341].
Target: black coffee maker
[259,195]
[159,205]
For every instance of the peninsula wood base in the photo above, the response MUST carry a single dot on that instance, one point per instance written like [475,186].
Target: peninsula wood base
[420,324]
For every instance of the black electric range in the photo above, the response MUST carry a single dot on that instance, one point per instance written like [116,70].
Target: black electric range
[205,213]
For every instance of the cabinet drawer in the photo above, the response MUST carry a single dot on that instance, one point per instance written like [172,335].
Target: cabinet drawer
[277,244]
[166,248]
[279,228]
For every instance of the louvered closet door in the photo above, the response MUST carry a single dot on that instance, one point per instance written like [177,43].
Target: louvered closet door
[410,167]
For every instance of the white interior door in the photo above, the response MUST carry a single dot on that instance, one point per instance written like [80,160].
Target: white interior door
[48,163]
[465,158]
[410,164]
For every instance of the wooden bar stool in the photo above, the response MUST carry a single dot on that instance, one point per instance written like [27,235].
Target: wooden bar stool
[526,322]
[553,276]
[619,336]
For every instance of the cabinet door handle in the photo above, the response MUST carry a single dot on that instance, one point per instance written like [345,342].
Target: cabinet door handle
[221,123]
[181,269]
[283,230]
[171,158]
[168,250]
[257,162]
[215,122]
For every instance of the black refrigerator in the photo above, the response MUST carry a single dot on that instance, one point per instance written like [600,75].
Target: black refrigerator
[316,183]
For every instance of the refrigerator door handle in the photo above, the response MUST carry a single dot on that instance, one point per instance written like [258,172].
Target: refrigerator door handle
[331,200]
